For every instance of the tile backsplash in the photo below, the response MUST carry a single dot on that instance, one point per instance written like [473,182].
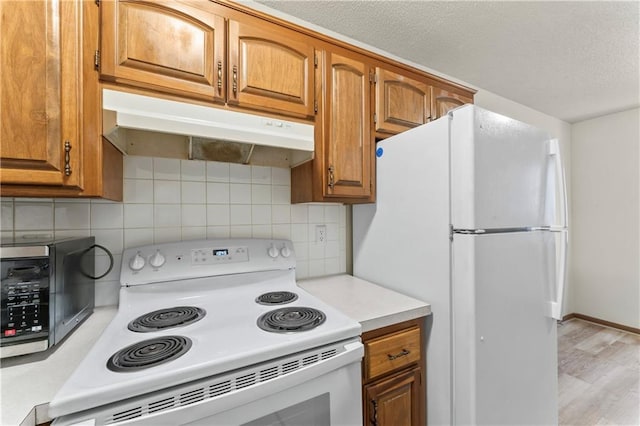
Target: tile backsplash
[169,200]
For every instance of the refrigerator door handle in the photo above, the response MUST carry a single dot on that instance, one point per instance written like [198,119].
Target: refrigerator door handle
[562,222]
[555,307]
[561,184]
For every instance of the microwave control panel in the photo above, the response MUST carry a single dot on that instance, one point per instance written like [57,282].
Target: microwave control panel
[25,300]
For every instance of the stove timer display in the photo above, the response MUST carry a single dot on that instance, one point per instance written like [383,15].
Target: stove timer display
[212,256]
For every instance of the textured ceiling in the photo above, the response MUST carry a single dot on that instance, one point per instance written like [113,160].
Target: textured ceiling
[572,60]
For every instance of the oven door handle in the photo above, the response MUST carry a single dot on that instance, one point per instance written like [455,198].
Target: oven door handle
[354,351]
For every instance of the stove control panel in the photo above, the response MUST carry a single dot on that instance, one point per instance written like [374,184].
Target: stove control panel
[204,258]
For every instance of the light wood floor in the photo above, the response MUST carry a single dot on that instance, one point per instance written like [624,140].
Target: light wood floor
[598,375]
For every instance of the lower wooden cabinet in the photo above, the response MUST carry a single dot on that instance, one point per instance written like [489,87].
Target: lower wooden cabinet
[393,375]
[394,401]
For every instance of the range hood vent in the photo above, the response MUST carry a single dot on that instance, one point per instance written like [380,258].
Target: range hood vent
[144,125]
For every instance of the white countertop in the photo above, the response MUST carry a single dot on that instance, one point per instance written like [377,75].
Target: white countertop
[30,380]
[371,305]
[33,379]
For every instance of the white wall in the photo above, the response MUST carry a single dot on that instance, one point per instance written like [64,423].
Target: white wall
[606,217]
[170,200]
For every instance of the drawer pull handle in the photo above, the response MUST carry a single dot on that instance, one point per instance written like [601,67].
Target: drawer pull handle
[399,355]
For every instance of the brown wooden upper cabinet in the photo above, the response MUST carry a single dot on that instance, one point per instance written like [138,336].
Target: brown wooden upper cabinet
[346,126]
[445,100]
[40,97]
[163,45]
[401,102]
[343,168]
[270,67]
[206,51]
[50,136]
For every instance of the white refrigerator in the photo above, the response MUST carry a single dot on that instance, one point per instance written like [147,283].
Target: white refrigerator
[471,217]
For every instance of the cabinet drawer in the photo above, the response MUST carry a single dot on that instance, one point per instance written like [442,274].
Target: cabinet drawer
[391,352]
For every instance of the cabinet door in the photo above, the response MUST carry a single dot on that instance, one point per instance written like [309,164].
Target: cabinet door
[444,100]
[163,45]
[347,139]
[394,401]
[401,102]
[270,67]
[40,96]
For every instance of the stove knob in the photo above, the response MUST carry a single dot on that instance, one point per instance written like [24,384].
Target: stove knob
[137,262]
[285,251]
[273,251]
[157,260]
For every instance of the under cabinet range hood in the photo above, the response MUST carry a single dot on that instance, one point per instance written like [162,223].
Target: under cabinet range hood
[145,125]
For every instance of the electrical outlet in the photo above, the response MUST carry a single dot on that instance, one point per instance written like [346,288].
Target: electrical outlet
[321,234]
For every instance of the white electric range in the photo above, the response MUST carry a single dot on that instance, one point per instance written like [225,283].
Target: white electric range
[217,332]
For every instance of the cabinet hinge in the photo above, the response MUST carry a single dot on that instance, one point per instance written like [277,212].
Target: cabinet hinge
[96,60]
[315,61]
[375,117]
[315,107]
[373,78]
[97,3]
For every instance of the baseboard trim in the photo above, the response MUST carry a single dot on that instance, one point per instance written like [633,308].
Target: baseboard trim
[601,322]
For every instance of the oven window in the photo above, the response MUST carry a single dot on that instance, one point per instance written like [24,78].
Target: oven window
[312,412]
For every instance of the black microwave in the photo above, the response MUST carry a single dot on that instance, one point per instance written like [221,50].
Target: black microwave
[47,290]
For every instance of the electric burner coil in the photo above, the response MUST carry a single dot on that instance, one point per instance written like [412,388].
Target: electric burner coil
[149,353]
[291,319]
[161,319]
[276,298]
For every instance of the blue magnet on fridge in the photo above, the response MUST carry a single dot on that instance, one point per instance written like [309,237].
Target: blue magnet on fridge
[379,152]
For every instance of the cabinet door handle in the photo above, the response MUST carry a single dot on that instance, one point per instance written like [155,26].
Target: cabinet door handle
[235,79]
[67,158]
[404,352]
[374,414]
[219,76]
[331,177]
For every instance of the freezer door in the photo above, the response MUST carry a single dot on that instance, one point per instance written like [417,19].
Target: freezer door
[504,344]
[498,171]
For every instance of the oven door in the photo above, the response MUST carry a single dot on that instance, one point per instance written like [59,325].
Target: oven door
[326,392]
[333,398]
